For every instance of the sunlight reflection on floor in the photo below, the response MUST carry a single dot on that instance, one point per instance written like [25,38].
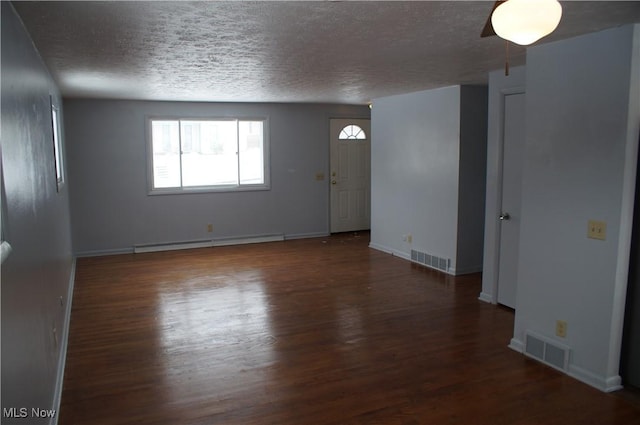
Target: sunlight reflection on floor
[205,322]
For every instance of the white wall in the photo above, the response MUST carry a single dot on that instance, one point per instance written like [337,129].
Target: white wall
[498,85]
[583,121]
[111,208]
[415,174]
[630,359]
[37,274]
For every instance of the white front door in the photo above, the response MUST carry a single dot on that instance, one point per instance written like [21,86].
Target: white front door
[512,161]
[350,174]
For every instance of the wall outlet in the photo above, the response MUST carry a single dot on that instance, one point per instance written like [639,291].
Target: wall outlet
[597,230]
[561,328]
[409,238]
[209,228]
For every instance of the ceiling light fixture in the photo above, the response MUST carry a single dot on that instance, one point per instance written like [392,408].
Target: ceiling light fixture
[526,21]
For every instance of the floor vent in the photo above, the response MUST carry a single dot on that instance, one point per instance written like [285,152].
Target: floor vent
[430,260]
[547,351]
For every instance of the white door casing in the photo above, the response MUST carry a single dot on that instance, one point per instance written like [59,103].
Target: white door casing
[350,175]
[513,122]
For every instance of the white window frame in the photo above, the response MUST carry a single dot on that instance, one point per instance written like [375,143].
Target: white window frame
[348,135]
[5,247]
[214,188]
[58,157]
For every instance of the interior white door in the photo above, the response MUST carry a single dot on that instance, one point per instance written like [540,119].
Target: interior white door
[350,175]
[512,161]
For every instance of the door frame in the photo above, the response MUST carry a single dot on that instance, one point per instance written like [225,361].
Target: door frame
[328,173]
[494,211]
[499,278]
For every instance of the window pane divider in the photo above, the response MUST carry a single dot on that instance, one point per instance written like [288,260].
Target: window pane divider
[180,149]
[238,152]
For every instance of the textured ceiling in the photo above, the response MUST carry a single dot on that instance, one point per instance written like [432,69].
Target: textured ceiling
[343,52]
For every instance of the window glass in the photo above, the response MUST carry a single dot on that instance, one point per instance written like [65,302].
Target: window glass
[251,152]
[352,132]
[210,158]
[166,154]
[57,145]
[208,154]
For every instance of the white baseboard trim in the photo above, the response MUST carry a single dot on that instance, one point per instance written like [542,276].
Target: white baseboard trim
[394,252]
[62,359]
[452,271]
[380,248]
[612,383]
[293,236]
[486,298]
[516,345]
[467,270]
[607,385]
[103,252]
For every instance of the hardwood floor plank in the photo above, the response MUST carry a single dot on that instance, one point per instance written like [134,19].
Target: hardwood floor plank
[315,332]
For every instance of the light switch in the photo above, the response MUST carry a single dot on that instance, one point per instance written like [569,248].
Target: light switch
[319,176]
[597,230]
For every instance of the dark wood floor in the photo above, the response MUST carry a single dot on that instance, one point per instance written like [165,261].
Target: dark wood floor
[316,331]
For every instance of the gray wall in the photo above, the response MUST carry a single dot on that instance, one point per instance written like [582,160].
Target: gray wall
[418,145]
[583,121]
[111,208]
[471,179]
[38,271]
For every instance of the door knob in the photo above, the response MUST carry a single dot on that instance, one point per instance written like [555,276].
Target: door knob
[333,182]
[504,216]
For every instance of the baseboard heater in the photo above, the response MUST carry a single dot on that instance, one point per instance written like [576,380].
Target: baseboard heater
[174,246]
[433,261]
[549,352]
[247,240]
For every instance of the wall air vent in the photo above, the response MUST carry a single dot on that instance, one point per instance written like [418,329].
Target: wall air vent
[547,351]
[429,260]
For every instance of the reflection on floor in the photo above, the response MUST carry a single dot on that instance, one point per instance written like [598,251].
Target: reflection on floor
[305,332]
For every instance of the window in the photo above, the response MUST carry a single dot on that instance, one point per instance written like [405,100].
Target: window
[208,155]
[57,149]
[5,247]
[352,132]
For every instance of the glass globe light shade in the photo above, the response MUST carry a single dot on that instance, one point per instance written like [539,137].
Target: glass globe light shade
[526,21]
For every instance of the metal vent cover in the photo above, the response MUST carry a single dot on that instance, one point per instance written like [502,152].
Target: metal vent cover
[429,260]
[547,351]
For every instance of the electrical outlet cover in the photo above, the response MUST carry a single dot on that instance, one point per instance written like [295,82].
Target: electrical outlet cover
[597,230]
[561,328]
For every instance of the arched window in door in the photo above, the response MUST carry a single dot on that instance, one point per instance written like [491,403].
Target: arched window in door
[352,132]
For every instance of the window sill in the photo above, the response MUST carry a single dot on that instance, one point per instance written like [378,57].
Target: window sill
[5,250]
[208,189]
